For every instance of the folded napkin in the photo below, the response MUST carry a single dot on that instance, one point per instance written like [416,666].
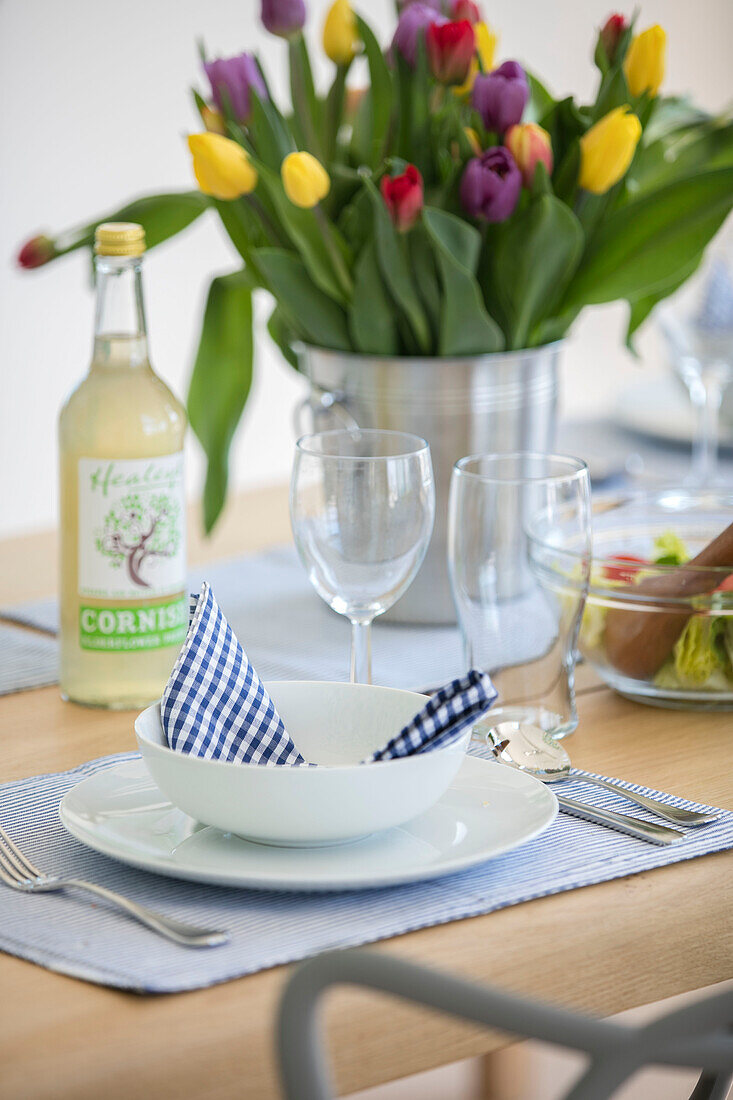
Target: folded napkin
[215,705]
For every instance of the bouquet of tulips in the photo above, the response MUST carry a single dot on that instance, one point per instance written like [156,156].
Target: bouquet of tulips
[452,206]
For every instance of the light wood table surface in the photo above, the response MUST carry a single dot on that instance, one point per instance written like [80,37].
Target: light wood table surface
[603,948]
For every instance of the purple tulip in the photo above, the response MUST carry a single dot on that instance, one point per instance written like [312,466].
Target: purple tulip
[501,96]
[413,23]
[283,17]
[231,79]
[491,184]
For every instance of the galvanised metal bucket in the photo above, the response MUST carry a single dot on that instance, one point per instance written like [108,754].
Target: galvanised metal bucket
[491,403]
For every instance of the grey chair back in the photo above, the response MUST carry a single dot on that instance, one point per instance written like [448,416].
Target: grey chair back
[697,1035]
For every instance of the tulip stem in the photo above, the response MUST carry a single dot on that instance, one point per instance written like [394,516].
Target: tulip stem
[299,94]
[339,264]
[267,223]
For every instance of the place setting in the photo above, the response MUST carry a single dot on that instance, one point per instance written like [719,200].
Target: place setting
[255,789]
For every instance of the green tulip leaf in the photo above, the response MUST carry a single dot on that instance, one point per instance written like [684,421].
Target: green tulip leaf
[422,260]
[309,312]
[533,259]
[540,101]
[371,317]
[466,328]
[461,239]
[396,271]
[271,137]
[380,98]
[283,336]
[640,309]
[221,380]
[641,246]
[683,153]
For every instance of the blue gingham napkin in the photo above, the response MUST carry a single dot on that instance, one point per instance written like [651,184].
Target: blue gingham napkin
[215,705]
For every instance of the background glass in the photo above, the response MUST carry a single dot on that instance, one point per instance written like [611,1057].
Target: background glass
[697,323]
[362,505]
[516,521]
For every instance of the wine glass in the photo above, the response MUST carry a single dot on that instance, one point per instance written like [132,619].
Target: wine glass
[519,541]
[697,323]
[362,504]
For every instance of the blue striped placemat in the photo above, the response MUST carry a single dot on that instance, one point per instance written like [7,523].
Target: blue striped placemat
[68,934]
[27,659]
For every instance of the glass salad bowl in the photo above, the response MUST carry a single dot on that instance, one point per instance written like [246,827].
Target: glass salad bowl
[655,629]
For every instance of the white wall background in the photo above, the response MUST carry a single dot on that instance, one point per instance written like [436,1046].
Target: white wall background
[95,109]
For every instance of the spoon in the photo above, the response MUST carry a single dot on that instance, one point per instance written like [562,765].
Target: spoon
[530,749]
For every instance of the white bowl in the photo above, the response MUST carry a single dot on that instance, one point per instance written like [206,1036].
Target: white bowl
[334,725]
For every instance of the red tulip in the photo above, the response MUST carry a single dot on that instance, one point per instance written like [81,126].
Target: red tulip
[403,197]
[451,47]
[465,9]
[36,252]
[611,33]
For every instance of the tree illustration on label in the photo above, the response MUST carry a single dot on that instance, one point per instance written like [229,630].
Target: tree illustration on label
[137,530]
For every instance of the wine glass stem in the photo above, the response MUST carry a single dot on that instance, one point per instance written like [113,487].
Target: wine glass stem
[361,652]
[706,400]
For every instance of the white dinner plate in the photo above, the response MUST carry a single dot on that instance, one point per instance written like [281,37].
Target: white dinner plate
[487,810]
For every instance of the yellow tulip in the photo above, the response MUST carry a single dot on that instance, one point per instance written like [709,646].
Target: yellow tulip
[486,43]
[606,150]
[340,37]
[213,120]
[222,168]
[644,61]
[305,179]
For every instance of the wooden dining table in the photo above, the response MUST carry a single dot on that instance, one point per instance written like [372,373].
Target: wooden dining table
[602,948]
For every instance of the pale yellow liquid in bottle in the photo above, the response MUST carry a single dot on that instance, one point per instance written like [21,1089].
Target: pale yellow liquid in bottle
[120,411]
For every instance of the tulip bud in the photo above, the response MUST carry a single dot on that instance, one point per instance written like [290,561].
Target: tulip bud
[611,33]
[283,17]
[36,252]
[305,179]
[403,197]
[340,38]
[213,120]
[501,96]
[486,42]
[231,79]
[450,50]
[491,185]
[644,61]
[465,9]
[411,26]
[529,144]
[607,149]
[222,168]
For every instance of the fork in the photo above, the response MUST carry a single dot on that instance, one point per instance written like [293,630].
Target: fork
[17,871]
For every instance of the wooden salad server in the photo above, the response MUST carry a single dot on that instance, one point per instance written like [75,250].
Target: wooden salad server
[639,642]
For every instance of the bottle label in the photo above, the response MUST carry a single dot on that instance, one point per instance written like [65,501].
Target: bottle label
[132,547]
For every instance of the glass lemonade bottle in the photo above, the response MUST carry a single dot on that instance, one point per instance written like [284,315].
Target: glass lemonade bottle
[123,524]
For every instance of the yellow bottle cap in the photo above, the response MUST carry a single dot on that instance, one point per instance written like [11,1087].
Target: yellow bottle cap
[119,239]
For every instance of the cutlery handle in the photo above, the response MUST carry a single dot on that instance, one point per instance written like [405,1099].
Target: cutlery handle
[675,814]
[188,935]
[634,826]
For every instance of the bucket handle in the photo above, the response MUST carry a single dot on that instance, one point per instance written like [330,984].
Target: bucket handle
[322,403]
